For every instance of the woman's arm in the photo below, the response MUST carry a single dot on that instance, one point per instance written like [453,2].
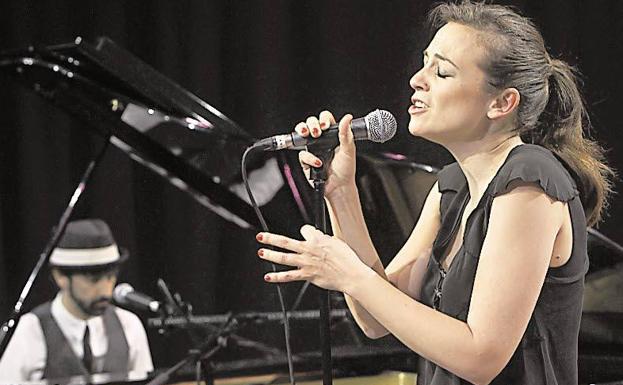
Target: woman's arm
[509,277]
[406,269]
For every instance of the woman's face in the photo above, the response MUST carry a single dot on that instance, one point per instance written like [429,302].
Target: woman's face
[451,95]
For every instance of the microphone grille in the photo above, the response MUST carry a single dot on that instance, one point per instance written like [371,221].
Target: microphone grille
[381,126]
[121,291]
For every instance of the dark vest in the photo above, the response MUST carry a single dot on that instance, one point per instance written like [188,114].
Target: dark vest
[61,361]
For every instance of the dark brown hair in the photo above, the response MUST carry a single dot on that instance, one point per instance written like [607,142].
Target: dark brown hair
[551,112]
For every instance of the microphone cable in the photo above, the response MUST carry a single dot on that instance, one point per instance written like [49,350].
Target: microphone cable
[258,212]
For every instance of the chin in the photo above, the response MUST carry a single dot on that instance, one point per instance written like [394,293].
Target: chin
[97,312]
[413,127]
[417,128]
[428,133]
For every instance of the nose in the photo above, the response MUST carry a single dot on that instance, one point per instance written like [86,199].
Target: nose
[419,81]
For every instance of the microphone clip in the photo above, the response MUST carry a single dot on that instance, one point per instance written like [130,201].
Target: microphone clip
[174,306]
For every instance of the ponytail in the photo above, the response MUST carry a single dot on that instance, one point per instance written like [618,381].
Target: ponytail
[561,129]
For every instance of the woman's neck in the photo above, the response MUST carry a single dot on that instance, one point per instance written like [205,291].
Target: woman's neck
[481,160]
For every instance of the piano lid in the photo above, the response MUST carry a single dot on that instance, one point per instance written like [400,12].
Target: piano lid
[150,117]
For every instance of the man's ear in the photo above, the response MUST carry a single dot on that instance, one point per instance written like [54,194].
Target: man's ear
[62,280]
[504,104]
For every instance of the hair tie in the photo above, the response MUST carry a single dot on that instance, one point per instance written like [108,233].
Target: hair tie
[550,66]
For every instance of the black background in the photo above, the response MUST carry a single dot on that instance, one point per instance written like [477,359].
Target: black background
[266,65]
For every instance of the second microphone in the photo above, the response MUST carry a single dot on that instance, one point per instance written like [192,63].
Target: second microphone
[125,295]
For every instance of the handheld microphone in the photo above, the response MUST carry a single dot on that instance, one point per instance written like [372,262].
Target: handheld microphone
[124,294]
[378,126]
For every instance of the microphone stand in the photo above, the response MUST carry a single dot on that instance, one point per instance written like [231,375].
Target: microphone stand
[176,306]
[201,353]
[8,328]
[319,178]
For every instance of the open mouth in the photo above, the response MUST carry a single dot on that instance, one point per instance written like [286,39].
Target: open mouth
[418,106]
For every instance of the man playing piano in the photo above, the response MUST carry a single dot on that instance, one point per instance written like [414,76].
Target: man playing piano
[79,332]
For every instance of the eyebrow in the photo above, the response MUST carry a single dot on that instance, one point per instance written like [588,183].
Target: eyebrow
[441,57]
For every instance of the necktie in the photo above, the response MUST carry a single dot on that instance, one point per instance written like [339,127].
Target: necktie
[87,358]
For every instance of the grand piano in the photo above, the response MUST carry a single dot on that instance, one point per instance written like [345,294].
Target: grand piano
[197,149]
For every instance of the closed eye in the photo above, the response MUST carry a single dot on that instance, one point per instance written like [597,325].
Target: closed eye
[441,75]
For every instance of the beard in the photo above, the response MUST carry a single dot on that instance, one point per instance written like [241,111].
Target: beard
[93,308]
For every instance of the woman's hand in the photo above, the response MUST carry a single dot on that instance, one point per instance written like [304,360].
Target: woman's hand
[321,259]
[341,171]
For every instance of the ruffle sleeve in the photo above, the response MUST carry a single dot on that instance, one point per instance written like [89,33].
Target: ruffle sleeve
[539,166]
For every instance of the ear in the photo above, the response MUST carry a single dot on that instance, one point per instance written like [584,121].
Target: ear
[504,104]
[62,281]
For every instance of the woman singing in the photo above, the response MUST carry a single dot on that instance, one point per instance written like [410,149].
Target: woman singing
[488,287]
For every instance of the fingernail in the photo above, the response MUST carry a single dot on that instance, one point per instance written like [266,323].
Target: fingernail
[318,163]
[304,130]
[260,252]
[323,124]
[259,237]
[316,131]
[267,277]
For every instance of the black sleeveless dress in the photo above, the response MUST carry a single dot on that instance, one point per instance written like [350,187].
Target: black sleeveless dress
[547,353]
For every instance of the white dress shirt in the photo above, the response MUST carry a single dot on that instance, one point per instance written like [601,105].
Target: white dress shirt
[25,356]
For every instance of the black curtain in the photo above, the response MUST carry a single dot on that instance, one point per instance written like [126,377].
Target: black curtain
[266,65]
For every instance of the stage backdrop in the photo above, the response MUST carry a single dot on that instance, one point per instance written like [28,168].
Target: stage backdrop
[265,64]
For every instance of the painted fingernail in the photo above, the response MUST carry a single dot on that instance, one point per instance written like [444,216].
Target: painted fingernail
[318,163]
[304,130]
[260,252]
[259,237]
[267,278]
[323,124]
[316,131]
